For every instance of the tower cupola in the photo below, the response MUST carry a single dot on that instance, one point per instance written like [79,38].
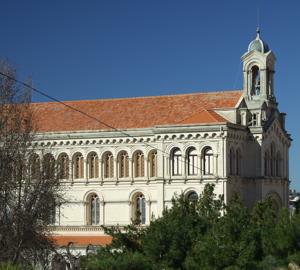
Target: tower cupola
[258,82]
[258,44]
[258,72]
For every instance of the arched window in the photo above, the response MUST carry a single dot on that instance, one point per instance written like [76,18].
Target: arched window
[267,163]
[192,161]
[34,166]
[238,159]
[63,166]
[273,159]
[276,201]
[192,196]
[232,162]
[139,209]
[123,165]
[78,166]
[93,210]
[108,165]
[139,164]
[176,162]
[208,161]
[93,165]
[153,163]
[278,164]
[255,82]
[48,166]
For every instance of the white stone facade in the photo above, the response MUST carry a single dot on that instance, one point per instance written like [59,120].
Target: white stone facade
[247,154]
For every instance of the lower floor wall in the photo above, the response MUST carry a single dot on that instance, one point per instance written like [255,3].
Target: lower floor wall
[117,205]
[92,205]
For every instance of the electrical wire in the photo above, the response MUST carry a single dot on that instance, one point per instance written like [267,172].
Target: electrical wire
[88,115]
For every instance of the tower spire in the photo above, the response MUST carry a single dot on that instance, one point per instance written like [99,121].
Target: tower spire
[257,32]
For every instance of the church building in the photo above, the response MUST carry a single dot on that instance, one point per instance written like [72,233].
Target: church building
[131,155]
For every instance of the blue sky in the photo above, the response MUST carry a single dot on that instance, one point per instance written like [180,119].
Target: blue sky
[100,49]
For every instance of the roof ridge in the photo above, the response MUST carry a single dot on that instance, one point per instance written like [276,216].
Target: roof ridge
[140,97]
[213,114]
[202,109]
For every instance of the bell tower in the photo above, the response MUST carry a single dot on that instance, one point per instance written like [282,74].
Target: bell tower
[258,71]
[258,81]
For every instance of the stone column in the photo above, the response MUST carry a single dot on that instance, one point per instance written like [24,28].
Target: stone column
[161,176]
[131,174]
[215,165]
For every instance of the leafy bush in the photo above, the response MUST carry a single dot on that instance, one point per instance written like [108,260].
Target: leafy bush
[194,235]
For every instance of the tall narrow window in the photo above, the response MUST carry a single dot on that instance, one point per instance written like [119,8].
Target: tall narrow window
[192,161]
[208,161]
[255,87]
[108,160]
[34,166]
[123,165]
[254,120]
[231,162]
[176,162]
[139,167]
[278,164]
[78,166]
[63,166]
[93,165]
[139,209]
[273,159]
[267,163]
[238,159]
[153,163]
[48,166]
[93,210]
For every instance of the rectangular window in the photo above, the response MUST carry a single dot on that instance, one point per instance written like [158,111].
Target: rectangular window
[254,119]
[153,164]
[192,164]
[208,164]
[177,165]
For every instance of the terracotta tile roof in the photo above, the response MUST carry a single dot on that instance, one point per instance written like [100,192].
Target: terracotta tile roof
[62,240]
[204,116]
[141,112]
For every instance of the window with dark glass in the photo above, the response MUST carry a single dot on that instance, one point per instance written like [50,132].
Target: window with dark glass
[94,210]
[153,163]
[208,161]
[192,161]
[255,87]
[63,166]
[48,166]
[123,165]
[192,196]
[78,166]
[139,209]
[176,162]
[139,167]
[108,160]
[93,165]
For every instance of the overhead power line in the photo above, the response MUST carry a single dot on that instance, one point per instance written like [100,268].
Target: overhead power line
[85,114]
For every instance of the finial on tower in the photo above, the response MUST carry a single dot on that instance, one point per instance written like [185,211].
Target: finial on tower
[257,32]
[258,44]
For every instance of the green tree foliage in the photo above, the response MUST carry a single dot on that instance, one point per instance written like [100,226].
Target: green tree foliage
[205,234]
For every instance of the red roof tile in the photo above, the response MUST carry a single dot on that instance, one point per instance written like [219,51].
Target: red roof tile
[62,240]
[204,116]
[141,112]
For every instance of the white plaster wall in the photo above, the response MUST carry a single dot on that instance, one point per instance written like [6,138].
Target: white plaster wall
[116,193]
